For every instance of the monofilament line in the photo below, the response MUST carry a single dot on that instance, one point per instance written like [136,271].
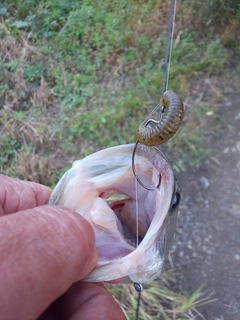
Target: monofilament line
[136,208]
[169,44]
[166,72]
[138,286]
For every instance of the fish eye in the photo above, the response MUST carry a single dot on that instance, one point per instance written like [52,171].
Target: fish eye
[176,199]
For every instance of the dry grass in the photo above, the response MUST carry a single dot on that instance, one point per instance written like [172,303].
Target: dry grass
[158,301]
[27,115]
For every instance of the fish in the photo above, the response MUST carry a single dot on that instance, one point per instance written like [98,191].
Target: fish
[133,226]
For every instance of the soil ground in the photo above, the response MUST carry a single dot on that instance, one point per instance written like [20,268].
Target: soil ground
[206,249]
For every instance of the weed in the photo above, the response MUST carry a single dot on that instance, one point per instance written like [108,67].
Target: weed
[214,16]
[158,301]
[88,83]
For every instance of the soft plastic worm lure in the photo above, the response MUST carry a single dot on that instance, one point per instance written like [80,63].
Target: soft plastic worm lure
[155,132]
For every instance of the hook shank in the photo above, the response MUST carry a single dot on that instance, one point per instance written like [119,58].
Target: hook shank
[136,176]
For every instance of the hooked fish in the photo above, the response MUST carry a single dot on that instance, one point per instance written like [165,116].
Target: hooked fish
[102,188]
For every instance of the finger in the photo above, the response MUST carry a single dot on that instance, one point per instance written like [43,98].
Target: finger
[43,252]
[17,195]
[88,301]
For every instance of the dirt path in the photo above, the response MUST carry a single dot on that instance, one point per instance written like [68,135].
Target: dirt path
[206,249]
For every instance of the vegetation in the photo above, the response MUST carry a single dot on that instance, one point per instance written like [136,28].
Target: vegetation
[81,75]
[158,301]
[77,76]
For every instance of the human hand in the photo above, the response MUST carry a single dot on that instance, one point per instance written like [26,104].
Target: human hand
[44,251]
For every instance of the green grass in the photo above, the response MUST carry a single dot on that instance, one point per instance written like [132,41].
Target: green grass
[78,76]
[82,75]
[89,84]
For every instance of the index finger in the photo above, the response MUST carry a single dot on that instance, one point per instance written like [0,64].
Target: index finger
[17,195]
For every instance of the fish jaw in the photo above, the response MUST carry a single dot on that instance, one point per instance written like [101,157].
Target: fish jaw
[92,181]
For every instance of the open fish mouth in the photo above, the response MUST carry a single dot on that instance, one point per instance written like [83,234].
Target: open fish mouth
[133,226]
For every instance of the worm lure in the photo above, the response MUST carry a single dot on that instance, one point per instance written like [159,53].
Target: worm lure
[155,132]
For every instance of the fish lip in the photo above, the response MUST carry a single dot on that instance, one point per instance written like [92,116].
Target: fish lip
[143,270]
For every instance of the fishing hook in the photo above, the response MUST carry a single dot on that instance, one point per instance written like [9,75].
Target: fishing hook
[136,176]
[133,157]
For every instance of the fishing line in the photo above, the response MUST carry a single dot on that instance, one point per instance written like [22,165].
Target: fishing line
[166,71]
[138,286]
[168,53]
[136,208]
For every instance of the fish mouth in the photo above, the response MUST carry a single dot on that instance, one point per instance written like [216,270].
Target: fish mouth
[129,222]
[132,230]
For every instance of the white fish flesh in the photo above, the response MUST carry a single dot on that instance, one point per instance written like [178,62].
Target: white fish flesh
[102,188]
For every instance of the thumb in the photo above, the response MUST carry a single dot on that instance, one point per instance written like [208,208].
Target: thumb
[43,251]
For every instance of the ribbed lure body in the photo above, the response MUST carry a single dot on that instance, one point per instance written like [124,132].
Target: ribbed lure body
[154,133]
